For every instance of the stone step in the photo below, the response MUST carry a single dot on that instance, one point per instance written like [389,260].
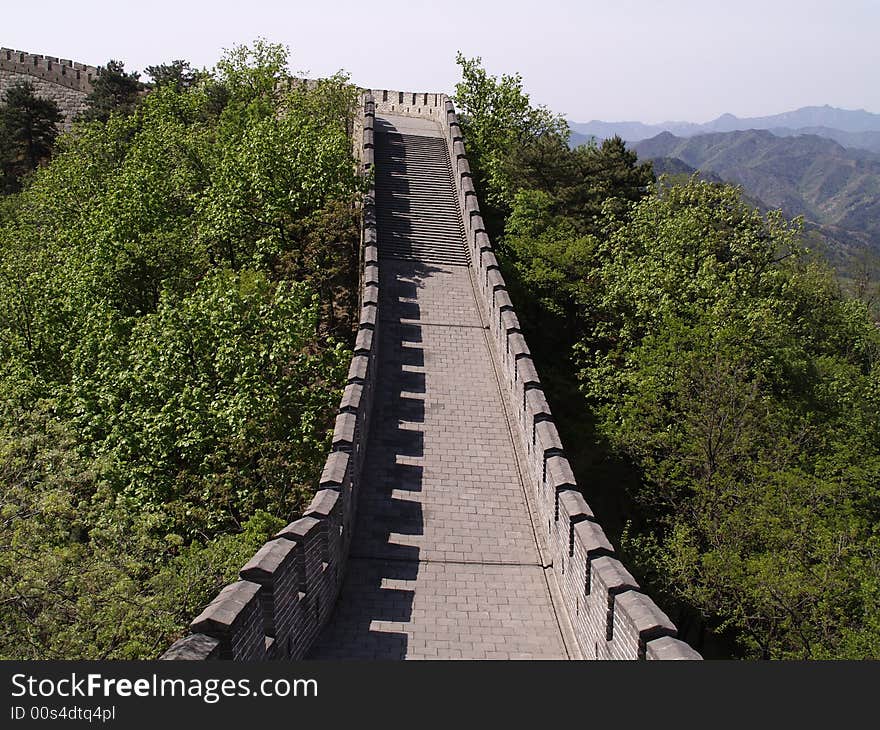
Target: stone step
[418,215]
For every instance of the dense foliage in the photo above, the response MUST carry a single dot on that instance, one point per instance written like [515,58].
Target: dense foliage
[28,129]
[498,119]
[717,390]
[176,297]
[744,387]
[113,92]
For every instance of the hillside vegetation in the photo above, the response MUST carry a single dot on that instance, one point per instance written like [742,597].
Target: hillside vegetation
[717,391]
[837,191]
[805,175]
[176,300]
[868,140]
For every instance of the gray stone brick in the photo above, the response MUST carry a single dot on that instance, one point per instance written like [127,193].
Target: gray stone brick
[667,648]
[195,647]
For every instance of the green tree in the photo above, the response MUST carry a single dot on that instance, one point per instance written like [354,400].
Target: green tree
[113,91]
[547,203]
[558,217]
[742,384]
[28,129]
[168,372]
[497,118]
[582,181]
[178,73]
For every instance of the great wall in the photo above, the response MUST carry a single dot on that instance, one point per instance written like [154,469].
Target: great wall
[447,521]
[65,82]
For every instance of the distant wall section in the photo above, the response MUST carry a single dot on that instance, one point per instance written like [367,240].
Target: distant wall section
[65,82]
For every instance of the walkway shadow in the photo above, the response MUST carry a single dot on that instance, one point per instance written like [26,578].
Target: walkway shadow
[393,206]
[376,602]
[377,598]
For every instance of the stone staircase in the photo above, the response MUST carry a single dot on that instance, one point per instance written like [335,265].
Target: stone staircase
[418,215]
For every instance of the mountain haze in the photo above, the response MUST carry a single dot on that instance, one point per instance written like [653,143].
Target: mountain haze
[834,188]
[851,128]
[847,120]
[868,140]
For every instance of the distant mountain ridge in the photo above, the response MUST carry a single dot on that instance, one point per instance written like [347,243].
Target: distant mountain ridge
[867,140]
[850,127]
[834,188]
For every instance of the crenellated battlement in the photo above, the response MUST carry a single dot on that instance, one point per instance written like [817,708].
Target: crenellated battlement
[65,82]
[61,71]
[610,616]
[420,104]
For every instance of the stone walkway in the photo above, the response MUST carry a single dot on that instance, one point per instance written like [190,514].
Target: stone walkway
[444,562]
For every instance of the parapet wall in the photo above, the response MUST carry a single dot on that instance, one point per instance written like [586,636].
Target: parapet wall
[288,589]
[411,104]
[65,82]
[611,617]
[59,71]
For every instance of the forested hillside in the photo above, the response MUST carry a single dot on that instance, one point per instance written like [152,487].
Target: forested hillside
[805,175]
[176,302]
[837,191]
[867,140]
[715,388]
[177,286]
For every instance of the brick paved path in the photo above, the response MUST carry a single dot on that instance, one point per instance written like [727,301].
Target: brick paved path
[444,562]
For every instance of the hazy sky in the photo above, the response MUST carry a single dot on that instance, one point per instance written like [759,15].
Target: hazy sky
[612,60]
